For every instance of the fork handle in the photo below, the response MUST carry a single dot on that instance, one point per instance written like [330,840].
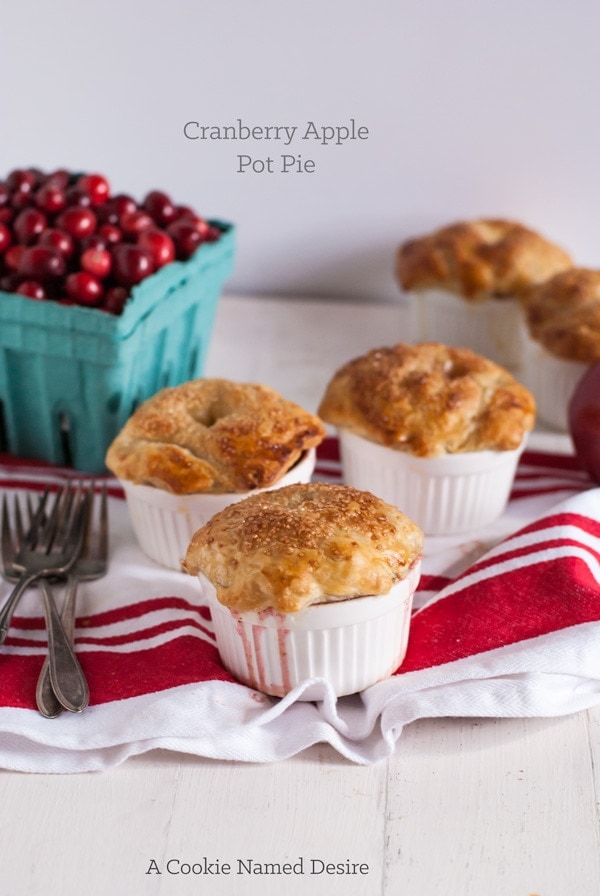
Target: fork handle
[11,602]
[66,675]
[46,700]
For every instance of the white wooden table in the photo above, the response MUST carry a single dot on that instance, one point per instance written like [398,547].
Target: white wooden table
[463,808]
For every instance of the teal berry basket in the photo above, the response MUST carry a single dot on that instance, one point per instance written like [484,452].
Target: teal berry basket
[70,376]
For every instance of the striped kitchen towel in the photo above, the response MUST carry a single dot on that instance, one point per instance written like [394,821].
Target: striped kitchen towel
[506,623]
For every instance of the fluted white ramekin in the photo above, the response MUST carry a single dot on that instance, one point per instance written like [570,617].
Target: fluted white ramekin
[552,381]
[350,643]
[164,523]
[491,328]
[443,495]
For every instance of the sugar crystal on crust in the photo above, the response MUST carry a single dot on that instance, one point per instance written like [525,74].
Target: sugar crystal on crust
[303,544]
[429,399]
[213,436]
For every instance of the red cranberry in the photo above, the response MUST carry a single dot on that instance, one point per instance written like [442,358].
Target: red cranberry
[31,288]
[201,224]
[38,174]
[84,288]
[41,263]
[6,214]
[77,221]
[21,180]
[212,234]
[4,194]
[115,299]
[50,198]
[10,282]
[115,207]
[21,199]
[97,262]
[95,186]
[93,241]
[12,257]
[132,223]
[124,203]
[5,237]
[160,244]
[77,198]
[131,264]
[184,211]
[29,224]
[59,178]
[186,237]
[58,239]
[159,207]
[110,234]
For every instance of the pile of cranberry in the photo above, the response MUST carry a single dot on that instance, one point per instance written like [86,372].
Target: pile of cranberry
[64,237]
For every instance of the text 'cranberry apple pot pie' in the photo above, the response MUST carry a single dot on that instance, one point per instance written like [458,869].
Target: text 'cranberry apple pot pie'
[436,430]
[309,581]
[192,449]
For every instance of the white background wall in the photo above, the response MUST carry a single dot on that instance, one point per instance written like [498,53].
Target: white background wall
[473,107]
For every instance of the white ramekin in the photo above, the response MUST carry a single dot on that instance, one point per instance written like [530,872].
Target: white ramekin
[443,495]
[351,643]
[164,523]
[552,381]
[491,328]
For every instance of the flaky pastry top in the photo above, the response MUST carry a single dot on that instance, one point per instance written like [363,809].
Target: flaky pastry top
[429,399]
[304,544]
[215,436]
[563,315]
[479,260]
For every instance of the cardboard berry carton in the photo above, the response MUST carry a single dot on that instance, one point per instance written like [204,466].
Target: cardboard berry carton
[71,374]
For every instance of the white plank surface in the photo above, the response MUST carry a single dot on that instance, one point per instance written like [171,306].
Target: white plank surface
[464,807]
[493,806]
[295,345]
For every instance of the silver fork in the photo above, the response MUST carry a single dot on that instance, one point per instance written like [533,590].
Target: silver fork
[49,549]
[91,564]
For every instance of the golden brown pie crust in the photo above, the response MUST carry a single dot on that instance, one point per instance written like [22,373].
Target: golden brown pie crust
[429,399]
[563,315]
[213,435]
[303,544]
[479,260]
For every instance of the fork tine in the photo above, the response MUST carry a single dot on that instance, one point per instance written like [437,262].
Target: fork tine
[95,542]
[73,532]
[61,530]
[63,518]
[18,520]
[87,522]
[38,522]
[60,520]
[30,510]
[39,529]
[11,542]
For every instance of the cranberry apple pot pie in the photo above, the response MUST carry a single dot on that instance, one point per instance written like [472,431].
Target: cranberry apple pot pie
[192,449]
[470,278]
[562,319]
[309,581]
[434,429]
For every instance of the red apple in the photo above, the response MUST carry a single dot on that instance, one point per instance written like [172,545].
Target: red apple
[584,421]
